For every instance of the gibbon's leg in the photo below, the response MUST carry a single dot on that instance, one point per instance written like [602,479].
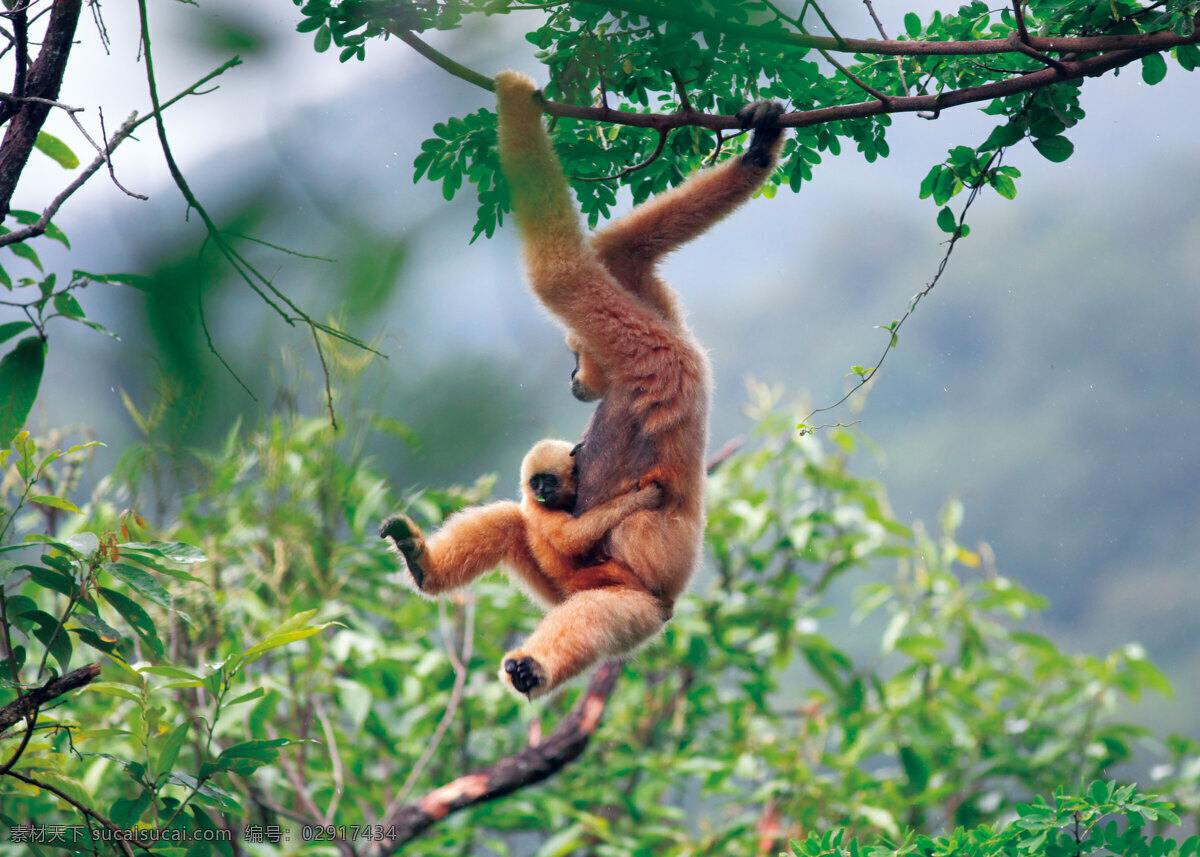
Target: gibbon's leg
[576,634]
[574,537]
[630,246]
[470,543]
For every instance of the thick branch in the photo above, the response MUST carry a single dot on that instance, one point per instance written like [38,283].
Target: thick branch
[1065,71]
[531,765]
[1122,50]
[43,81]
[31,700]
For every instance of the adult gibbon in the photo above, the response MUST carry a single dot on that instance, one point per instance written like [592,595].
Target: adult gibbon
[548,551]
[639,471]
[634,352]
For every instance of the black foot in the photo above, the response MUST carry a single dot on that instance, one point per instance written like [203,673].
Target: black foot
[761,116]
[398,528]
[401,530]
[525,674]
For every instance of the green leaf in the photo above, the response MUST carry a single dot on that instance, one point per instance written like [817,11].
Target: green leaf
[20,377]
[95,325]
[134,281]
[1188,56]
[56,502]
[912,24]
[136,616]
[249,756]
[257,693]
[322,40]
[28,253]
[10,329]
[1154,68]
[66,304]
[174,551]
[1056,148]
[170,748]
[56,150]
[1004,186]
[140,580]
[169,672]
[946,220]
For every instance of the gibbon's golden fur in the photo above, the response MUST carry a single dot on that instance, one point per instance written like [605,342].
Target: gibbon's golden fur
[546,550]
[648,434]
[633,352]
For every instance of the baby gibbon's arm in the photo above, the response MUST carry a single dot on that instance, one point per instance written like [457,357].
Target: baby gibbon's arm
[574,537]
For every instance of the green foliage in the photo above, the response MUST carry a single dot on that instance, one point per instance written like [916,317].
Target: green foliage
[642,57]
[833,669]
[1103,819]
[21,367]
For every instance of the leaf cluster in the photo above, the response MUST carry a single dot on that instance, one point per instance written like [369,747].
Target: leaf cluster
[711,58]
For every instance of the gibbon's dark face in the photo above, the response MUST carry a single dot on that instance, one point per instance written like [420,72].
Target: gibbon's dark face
[545,488]
[579,388]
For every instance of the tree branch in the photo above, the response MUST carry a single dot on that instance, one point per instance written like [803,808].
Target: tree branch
[1116,51]
[124,132]
[531,765]
[42,81]
[31,700]
[686,14]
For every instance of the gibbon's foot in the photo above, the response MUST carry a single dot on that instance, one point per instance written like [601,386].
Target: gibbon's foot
[761,116]
[524,674]
[403,533]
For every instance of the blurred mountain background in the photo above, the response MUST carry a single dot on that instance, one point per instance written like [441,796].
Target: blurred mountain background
[1049,381]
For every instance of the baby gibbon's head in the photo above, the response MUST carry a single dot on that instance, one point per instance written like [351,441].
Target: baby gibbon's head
[548,474]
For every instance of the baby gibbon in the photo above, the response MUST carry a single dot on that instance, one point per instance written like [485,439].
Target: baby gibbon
[634,353]
[548,551]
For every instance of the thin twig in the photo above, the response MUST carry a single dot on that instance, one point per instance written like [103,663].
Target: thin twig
[1019,11]
[124,132]
[894,329]
[119,835]
[662,141]
[883,34]
[335,757]
[460,681]
[112,173]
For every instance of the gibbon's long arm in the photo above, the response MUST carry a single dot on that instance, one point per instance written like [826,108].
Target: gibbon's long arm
[630,247]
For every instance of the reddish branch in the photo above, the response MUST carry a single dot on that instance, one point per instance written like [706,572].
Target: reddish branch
[42,81]
[31,700]
[1059,73]
[531,765]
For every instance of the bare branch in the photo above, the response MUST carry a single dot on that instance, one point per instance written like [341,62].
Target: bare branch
[43,80]
[531,765]
[442,61]
[33,699]
[127,128]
